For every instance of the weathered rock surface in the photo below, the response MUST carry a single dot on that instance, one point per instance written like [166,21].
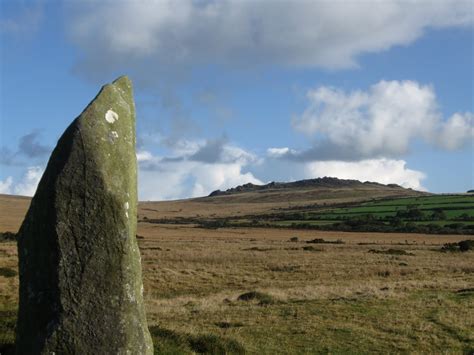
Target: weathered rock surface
[81,288]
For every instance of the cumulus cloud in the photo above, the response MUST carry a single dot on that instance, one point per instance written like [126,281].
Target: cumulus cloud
[220,176]
[278,152]
[163,178]
[184,179]
[175,36]
[165,43]
[29,146]
[204,151]
[26,186]
[457,130]
[380,122]
[214,164]
[6,185]
[210,152]
[385,171]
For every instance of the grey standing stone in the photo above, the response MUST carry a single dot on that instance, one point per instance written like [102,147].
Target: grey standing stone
[81,288]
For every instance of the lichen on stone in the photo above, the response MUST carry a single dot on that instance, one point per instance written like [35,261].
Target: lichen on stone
[111,116]
[83,267]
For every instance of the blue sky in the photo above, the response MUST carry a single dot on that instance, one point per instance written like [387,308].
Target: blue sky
[232,92]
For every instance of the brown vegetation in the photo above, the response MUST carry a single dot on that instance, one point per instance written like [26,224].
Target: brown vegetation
[404,296]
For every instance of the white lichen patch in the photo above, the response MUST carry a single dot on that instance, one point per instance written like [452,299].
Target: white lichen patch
[126,206]
[113,136]
[129,293]
[111,116]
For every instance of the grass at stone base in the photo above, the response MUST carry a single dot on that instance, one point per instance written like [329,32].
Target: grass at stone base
[170,342]
[422,322]
[8,314]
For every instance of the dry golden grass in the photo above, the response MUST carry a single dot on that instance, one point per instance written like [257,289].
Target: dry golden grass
[13,208]
[337,298]
[12,211]
[264,202]
[192,283]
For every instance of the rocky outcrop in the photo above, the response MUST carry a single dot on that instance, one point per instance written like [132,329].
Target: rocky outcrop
[81,288]
[325,182]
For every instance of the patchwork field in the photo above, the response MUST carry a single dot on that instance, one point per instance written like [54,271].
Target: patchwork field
[433,214]
[283,291]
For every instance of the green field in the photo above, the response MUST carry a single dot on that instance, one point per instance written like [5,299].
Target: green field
[453,207]
[427,214]
[436,214]
[433,214]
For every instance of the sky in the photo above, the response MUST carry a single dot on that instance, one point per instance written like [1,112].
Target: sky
[232,92]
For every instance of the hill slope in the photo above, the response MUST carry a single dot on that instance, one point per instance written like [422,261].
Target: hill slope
[325,182]
[321,190]
[241,200]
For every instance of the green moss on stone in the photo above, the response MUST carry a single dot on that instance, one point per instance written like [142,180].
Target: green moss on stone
[80,269]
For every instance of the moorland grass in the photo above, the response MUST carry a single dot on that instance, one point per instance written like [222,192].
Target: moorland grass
[341,299]
[170,342]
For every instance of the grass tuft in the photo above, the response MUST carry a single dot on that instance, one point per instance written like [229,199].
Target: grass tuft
[390,252]
[167,341]
[263,298]
[385,273]
[284,268]
[214,344]
[463,245]
[227,325]
[8,317]
[7,272]
[311,248]
[7,236]
[258,249]
[323,241]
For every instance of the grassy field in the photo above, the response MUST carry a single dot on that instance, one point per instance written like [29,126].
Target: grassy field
[437,214]
[286,291]
[370,293]
[452,206]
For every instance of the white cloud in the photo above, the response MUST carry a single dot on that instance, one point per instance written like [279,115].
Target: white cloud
[233,154]
[277,152]
[182,177]
[380,122]
[457,130]
[181,34]
[219,176]
[162,178]
[6,185]
[26,186]
[384,171]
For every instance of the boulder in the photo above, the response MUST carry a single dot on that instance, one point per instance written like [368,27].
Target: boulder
[81,289]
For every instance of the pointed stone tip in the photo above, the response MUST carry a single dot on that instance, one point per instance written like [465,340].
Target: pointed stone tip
[124,84]
[121,80]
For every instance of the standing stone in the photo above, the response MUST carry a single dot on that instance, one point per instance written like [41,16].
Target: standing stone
[81,288]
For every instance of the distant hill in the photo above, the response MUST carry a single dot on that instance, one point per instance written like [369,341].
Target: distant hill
[241,200]
[325,182]
[326,190]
